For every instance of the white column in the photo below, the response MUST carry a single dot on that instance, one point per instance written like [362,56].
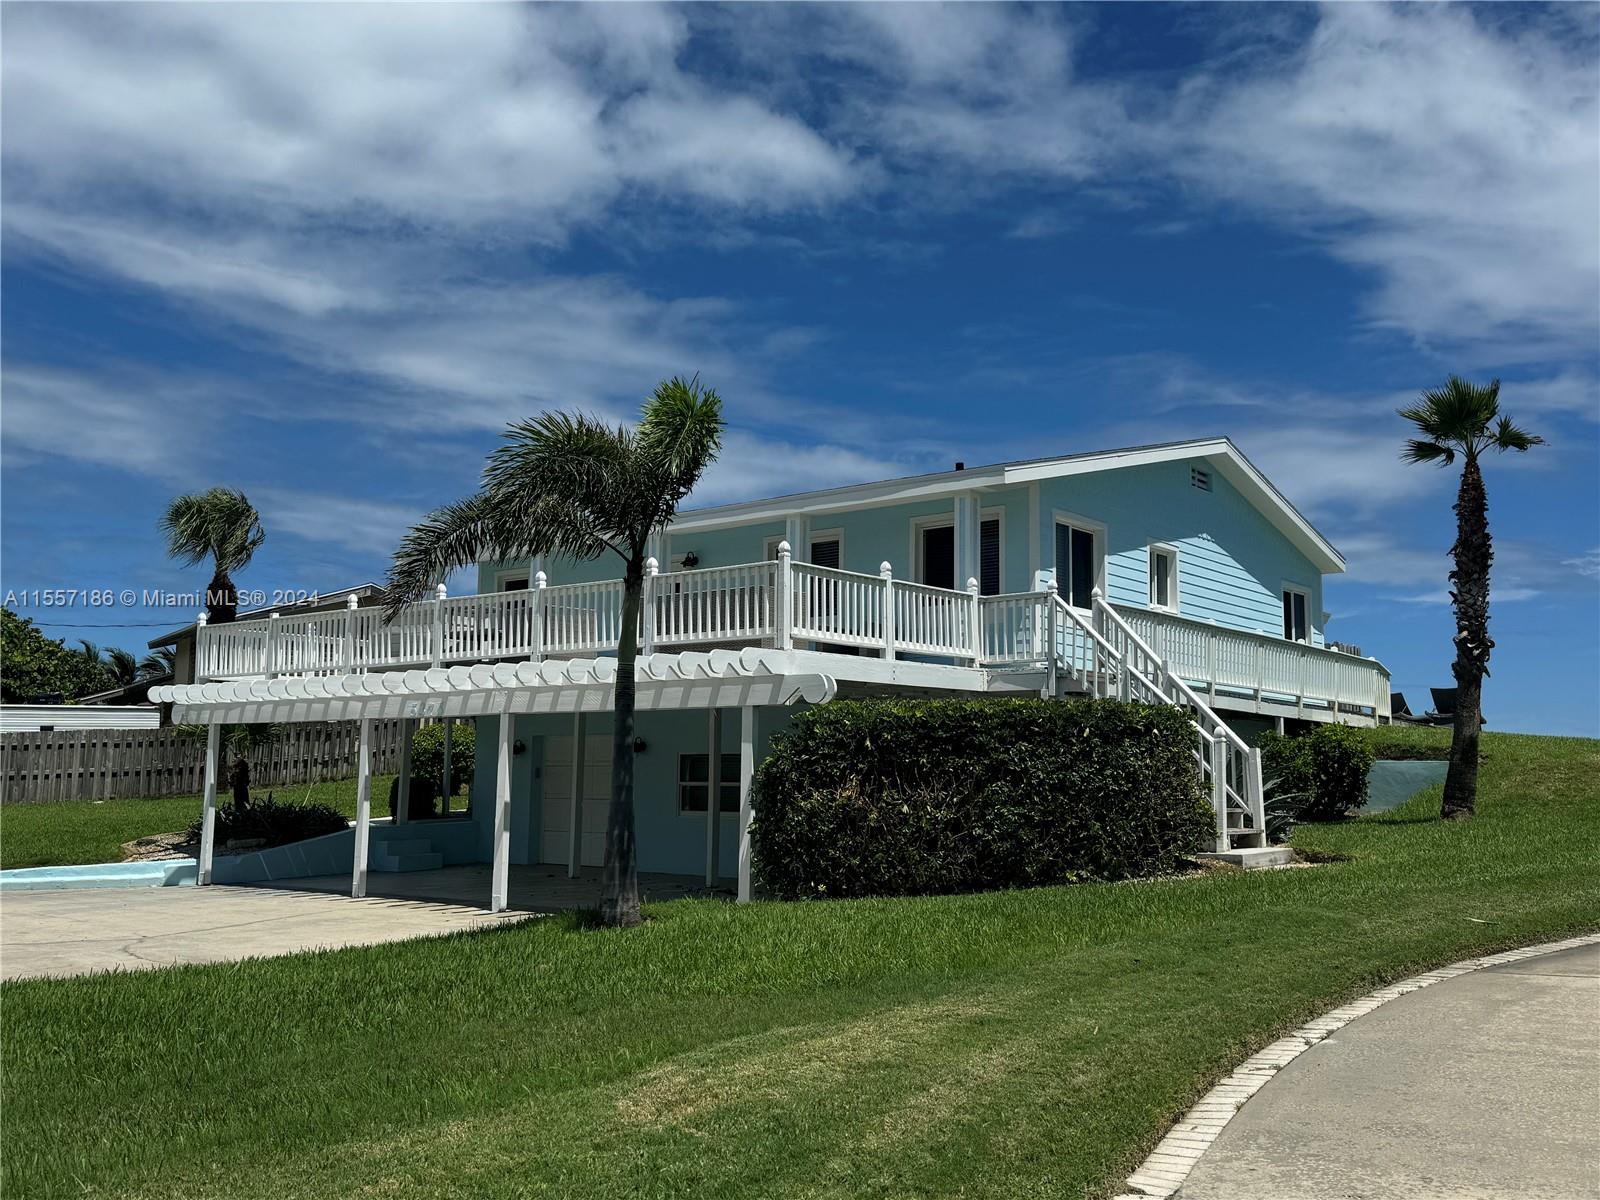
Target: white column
[402,806]
[358,882]
[797,532]
[714,797]
[965,517]
[208,809]
[500,873]
[580,754]
[444,784]
[747,769]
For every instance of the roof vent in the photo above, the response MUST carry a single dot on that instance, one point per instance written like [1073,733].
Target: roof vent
[961,466]
[1200,478]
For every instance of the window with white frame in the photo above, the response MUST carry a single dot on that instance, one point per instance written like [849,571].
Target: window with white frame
[827,549]
[935,548]
[1164,577]
[1296,607]
[1077,561]
[694,782]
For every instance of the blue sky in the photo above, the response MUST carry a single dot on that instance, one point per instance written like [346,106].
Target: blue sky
[324,253]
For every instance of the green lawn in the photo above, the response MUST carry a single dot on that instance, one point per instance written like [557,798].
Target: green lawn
[83,831]
[1028,1043]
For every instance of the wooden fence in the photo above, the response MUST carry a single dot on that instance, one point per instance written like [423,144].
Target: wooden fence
[102,764]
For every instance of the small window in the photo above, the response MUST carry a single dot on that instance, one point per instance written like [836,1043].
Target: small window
[694,781]
[1200,478]
[518,583]
[1296,628]
[1164,578]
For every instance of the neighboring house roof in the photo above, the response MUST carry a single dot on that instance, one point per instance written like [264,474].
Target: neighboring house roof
[130,693]
[31,718]
[1221,453]
[337,599]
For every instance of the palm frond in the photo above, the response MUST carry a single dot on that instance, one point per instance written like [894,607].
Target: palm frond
[571,483]
[456,535]
[158,663]
[122,666]
[1458,414]
[680,435]
[219,524]
[1422,452]
[1508,437]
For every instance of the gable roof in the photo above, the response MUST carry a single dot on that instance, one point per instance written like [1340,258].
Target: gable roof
[1228,460]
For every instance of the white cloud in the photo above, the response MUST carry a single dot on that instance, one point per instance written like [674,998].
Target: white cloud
[365,527]
[1586,564]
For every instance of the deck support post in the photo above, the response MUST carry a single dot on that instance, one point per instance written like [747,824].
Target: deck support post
[358,874]
[1219,787]
[580,754]
[402,807]
[747,770]
[445,790]
[886,573]
[713,796]
[500,872]
[208,808]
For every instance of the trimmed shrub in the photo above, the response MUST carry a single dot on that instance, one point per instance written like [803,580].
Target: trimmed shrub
[1326,768]
[427,756]
[915,797]
[424,797]
[272,822]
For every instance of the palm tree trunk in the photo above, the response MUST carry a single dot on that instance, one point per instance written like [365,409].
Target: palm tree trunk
[1473,552]
[222,599]
[619,897]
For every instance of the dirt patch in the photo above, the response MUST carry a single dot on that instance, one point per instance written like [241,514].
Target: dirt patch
[160,846]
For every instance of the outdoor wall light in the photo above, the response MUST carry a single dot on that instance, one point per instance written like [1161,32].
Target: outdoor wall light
[639,746]
[691,560]
[517,747]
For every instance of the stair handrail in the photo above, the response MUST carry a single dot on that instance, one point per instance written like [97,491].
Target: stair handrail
[1116,657]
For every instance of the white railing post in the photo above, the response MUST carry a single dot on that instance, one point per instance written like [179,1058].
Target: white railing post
[272,645]
[1259,688]
[886,573]
[350,606]
[1052,593]
[1219,787]
[440,595]
[1097,619]
[536,617]
[783,598]
[975,609]
[1257,793]
[203,652]
[648,606]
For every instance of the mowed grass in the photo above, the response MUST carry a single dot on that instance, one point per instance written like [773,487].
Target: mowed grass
[1030,1043]
[85,831]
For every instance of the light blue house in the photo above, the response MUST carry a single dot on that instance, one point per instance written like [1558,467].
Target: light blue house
[1172,574]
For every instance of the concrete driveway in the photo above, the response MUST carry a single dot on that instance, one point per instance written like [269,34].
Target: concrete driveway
[1483,1087]
[102,929]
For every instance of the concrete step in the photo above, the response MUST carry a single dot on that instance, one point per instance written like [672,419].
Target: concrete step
[1252,858]
[414,861]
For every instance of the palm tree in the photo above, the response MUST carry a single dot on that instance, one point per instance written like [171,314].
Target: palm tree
[121,666]
[158,663]
[569,484]
[1464,418]
[221,525]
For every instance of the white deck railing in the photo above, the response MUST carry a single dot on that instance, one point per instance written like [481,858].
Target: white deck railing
[790,604]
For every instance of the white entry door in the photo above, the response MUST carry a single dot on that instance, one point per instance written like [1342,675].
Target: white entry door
[555,830]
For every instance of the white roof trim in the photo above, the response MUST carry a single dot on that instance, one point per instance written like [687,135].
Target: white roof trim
[30,718]
[1221,452]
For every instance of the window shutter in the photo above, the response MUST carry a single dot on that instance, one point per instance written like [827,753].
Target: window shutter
[988,559]
[825,554]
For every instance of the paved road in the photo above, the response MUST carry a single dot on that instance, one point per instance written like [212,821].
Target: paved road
[1484,1087]
[99,929]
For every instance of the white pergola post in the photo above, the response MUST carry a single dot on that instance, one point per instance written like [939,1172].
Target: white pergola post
[500,874]
[747,769]
[403,804]
[444,784]
[714,798]
[208,809]
[580,755]
[358,880]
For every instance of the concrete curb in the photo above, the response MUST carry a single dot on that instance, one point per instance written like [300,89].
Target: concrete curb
[1164,1172]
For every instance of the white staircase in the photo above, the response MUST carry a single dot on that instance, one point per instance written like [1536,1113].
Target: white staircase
[406,854]
[1101,656]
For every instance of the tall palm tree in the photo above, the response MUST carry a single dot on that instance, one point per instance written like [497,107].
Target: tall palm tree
[1464,419]
[221,525]
[121,666]
[569,484]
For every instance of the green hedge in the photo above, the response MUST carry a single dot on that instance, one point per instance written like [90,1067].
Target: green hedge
[913,797]
[427,755]
[1326,767]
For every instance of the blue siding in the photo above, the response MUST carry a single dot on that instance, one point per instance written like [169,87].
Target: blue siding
[1232,562]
